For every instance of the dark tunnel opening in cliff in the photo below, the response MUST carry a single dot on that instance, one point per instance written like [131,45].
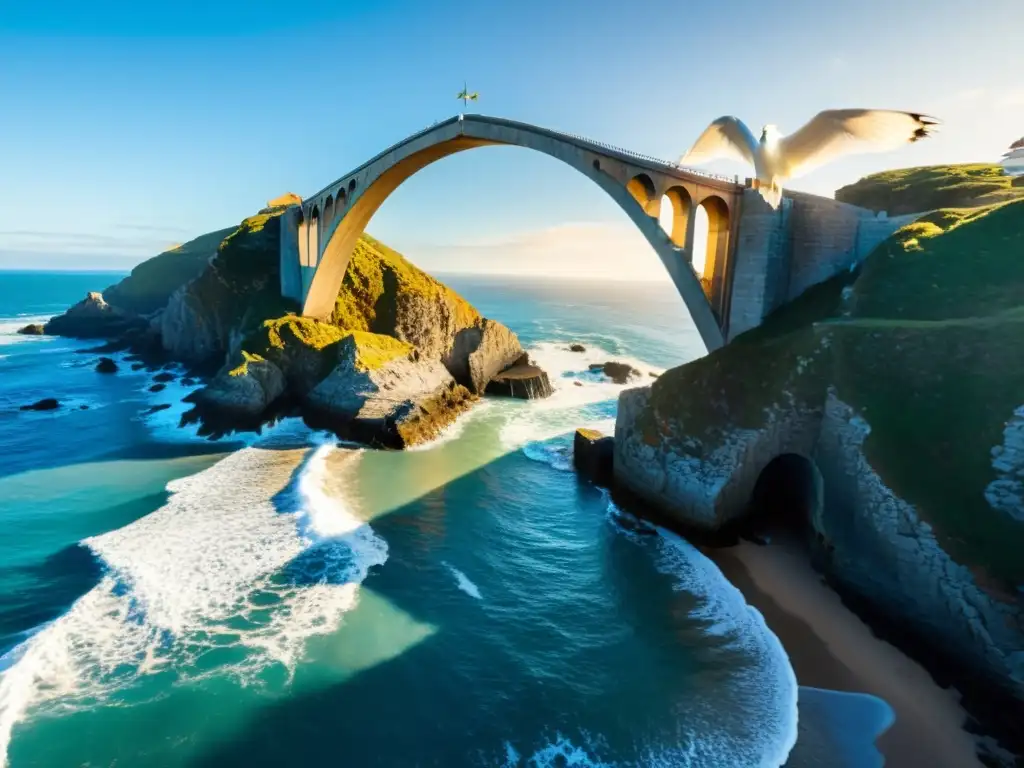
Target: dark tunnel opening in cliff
[787,496]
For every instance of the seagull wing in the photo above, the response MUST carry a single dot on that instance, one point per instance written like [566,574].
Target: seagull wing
[838,132]
[726,137]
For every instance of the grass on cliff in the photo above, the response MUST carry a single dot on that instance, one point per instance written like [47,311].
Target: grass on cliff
[378,278]
[309,349]
[931,356]
[915,190]
[925,341]
[152,282]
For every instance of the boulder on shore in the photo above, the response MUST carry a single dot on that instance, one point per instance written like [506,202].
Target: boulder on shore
[106,365]
[577,348]
[46,404]
[384,392]
[32,329]
[523,379]
[593,455]
[620,373]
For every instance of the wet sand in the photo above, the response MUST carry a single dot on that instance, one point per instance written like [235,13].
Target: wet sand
[831,648]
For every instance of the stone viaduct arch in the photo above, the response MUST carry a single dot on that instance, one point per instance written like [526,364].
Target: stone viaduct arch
[319,236]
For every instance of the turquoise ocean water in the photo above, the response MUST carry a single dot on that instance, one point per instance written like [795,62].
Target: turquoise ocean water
[282,599]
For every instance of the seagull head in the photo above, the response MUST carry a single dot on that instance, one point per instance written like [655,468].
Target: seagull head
[770,134]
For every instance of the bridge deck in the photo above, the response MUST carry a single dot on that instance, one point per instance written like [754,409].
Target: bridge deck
[634,158]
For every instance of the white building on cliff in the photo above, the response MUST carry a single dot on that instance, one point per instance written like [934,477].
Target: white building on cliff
[1013,161]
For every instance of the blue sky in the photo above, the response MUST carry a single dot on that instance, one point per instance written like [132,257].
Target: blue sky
[127,127]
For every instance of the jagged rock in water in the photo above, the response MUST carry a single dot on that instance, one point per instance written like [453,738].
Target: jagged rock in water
[106,365]
[620,373]
[384,393]
[158,388]
[480,352]
[32,329]
[46,404]
[163,377]
[577,348]
[156,408]
[243,392]
[523,380]
[593,455]
[92,317]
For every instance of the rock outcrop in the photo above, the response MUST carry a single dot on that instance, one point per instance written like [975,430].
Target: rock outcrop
[620,373]
[522,379]
[384,392]
[593,455]
[245,390]
[577,348]
[106,365]
[32,329]
[92,318]
[901,386]
[46,404]
[214,304]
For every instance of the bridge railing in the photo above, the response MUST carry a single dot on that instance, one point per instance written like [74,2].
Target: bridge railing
[649,158]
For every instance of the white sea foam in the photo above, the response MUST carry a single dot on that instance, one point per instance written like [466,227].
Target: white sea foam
[231,561]
[558,753]
[463,582]
[454,430]
[729,617]
[9,329]
[581,398]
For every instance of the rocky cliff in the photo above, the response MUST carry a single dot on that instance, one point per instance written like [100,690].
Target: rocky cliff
[901,386]
[408,349]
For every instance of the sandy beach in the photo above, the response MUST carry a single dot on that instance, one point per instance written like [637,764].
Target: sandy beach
[831,648]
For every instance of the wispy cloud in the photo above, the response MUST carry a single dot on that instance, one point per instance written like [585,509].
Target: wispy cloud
[576,249]
[129,244]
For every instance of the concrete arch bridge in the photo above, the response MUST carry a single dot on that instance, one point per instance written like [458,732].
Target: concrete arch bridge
[756,258]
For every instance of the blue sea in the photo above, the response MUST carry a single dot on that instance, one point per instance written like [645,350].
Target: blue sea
[283,599]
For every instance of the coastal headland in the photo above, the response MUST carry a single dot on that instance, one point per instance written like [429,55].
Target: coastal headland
[876,420]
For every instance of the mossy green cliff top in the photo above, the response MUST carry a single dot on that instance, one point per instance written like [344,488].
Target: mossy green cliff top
[925,342]
[916,190]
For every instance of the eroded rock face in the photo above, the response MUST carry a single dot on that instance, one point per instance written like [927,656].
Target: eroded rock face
[188,331]
[880,548]
[480,352]
[397,403]
[522,380]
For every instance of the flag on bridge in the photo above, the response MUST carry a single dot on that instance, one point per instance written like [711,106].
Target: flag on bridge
[466,96]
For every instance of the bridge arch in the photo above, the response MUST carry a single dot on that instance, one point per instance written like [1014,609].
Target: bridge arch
[367,188]
[716,246]
[676,220]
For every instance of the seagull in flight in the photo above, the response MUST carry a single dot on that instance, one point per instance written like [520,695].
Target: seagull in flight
[828,135]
